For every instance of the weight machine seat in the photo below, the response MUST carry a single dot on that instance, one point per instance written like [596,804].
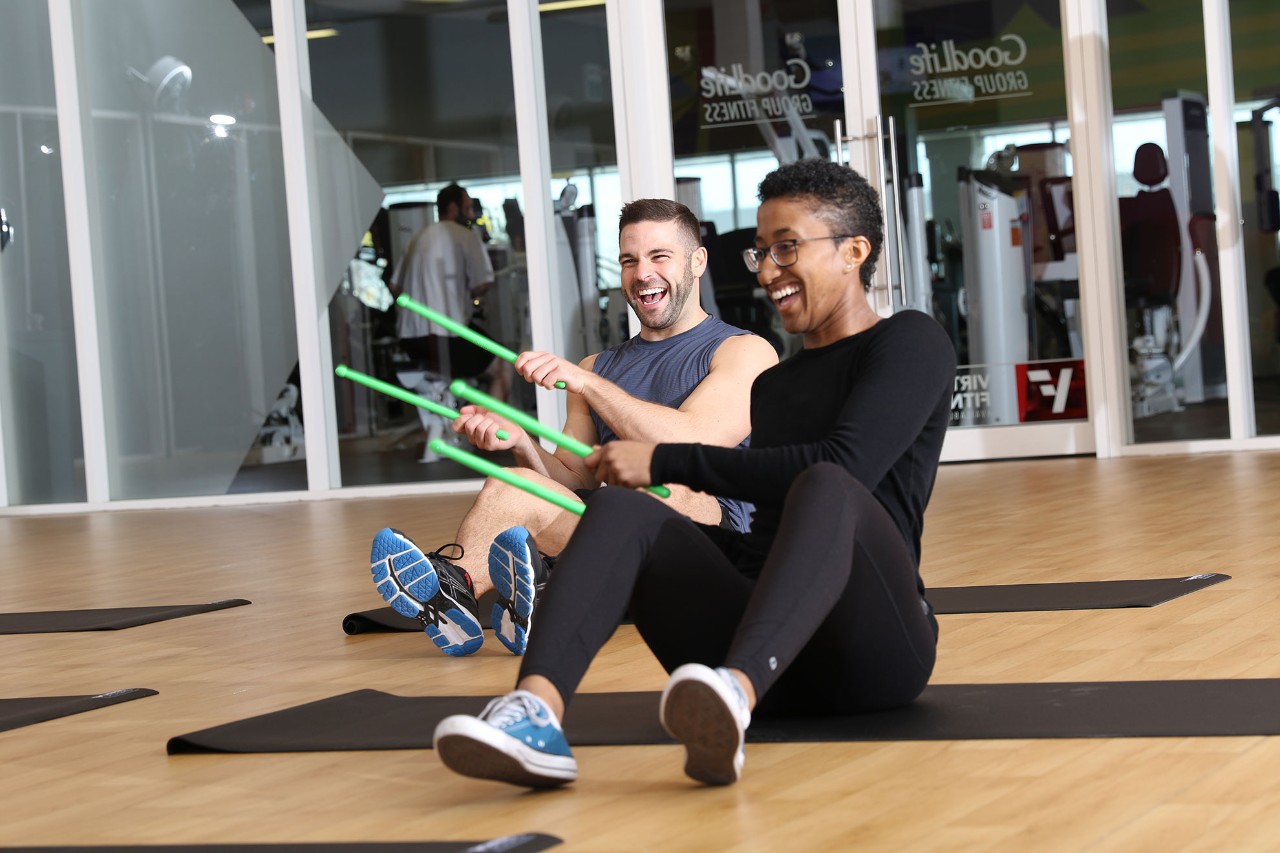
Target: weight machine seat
[1150,238]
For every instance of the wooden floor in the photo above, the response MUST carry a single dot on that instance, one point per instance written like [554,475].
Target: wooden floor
[103,777]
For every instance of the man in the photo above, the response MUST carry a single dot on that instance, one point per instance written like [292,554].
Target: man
[446,267]
[685,377]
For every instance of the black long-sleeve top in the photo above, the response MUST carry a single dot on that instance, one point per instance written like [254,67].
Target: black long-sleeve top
[877,403]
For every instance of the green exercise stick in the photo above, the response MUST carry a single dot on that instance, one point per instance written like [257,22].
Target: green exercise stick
[531,425]
[487,468]
[390,390]
[463,331]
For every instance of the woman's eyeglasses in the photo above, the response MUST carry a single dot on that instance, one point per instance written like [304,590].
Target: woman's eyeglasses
[784,252]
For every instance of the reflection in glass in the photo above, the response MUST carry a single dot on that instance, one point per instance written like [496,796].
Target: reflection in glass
[752,85]
[1178,383]
[423,95]
[39,401]
[1254,33]
[979,202]
[196,308]
[585,184]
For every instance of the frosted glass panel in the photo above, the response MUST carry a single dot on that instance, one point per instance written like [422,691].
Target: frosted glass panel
[188,205]
[43,459]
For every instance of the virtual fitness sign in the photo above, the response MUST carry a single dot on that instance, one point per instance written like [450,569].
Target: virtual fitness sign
[735,96]
[943,73]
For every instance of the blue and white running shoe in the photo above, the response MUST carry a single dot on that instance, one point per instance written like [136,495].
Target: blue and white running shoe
[706,710]
[512,558]
[516,739]
[429,588]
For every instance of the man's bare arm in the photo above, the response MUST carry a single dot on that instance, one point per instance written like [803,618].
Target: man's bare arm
[717,412]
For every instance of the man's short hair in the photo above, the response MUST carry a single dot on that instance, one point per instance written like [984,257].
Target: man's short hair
[663,210]
[452,194]
[838,196]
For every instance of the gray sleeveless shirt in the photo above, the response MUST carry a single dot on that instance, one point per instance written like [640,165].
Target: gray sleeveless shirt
[666,372]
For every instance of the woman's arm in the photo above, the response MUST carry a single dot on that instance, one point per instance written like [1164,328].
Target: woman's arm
[900,383]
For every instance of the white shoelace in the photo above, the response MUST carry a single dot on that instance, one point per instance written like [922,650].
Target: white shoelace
[505,710]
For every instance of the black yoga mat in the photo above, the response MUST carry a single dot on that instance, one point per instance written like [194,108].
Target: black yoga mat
[524,843]
[1083,595]
[384,619]
[1002,598]
[15,713]
[370,719]
[105,619]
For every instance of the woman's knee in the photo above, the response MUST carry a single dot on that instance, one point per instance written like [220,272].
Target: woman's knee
[826,481]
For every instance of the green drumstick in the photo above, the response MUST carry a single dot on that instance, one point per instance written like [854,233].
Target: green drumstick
[460,329]
[390,390]
[487,468]
[531,425]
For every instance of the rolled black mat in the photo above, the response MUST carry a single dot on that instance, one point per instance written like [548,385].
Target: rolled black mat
[524,843]
[384,619]
[104,619]
[1082,595]
[370,719]
[16,713]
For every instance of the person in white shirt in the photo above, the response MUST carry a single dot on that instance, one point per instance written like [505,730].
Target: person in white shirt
[446,267]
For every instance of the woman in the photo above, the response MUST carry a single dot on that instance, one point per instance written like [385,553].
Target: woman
[820,607]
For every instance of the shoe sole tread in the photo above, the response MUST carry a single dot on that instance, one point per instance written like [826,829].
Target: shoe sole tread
[413,590]
[696,716]
[512,576]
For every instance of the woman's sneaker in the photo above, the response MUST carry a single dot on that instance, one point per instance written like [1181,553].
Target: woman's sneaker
[513,565]
[706,710]
[516,739]
[429,588]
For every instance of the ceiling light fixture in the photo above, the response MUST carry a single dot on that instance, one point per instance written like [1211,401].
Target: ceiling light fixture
[318,33]
[561,5]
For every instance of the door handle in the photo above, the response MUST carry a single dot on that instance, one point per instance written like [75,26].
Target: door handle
[7,231]
[899,220]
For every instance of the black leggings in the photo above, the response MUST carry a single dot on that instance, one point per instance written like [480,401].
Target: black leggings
[834,623]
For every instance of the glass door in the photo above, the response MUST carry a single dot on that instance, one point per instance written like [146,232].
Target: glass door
[968,142]
[43,455]
[974,153]
[1255,27]
[753,84]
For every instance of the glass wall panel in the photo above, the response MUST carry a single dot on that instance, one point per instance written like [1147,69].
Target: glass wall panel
[1255,32]
[39,397]
[585,184]
[187,204]
[979,201]
[753,84]
[423,94]
[1163,161]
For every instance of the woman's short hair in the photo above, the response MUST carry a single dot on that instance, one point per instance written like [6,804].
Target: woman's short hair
[838,196]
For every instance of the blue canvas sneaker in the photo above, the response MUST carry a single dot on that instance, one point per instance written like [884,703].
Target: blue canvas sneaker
[429,588]
[516,739]
[706,710]
[513,563]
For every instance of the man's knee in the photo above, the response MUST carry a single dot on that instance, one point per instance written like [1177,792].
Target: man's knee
[495,491]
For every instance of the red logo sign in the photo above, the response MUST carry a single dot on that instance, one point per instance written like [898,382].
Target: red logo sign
[1052,391]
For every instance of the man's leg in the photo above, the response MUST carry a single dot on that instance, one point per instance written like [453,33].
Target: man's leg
[498,537]
[499,507]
